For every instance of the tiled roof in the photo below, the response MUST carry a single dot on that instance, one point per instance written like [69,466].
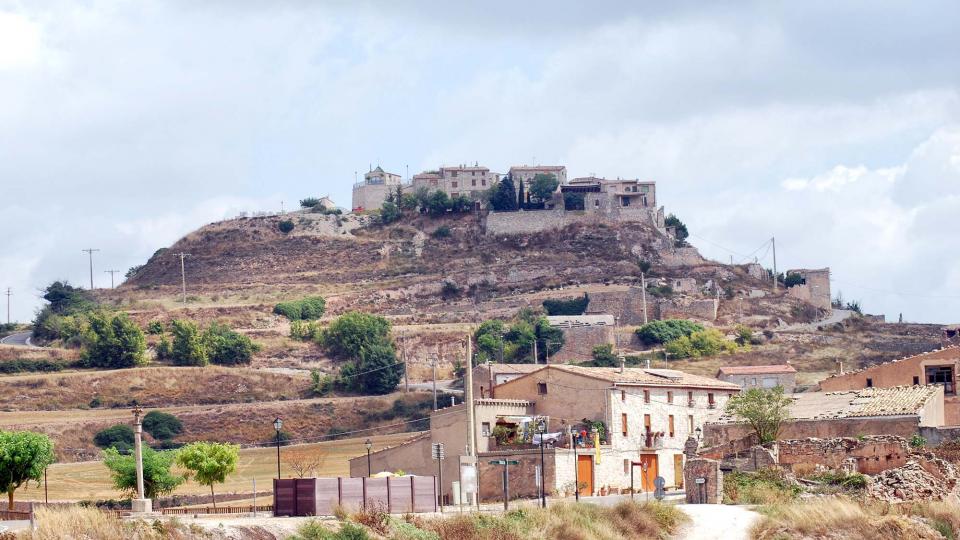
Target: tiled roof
[756,370]
[647,377]
[866,402]
[955,348]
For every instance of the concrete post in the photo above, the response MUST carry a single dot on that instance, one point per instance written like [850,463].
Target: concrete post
[141,504]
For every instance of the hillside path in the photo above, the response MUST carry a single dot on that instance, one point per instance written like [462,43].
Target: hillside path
[20,338]
[836,315]
[717,522]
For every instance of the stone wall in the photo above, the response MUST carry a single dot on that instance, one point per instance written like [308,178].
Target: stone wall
[579,342]
[688,308]
[627,305]
[871,454]
[710,488]
[902,426]
[534,221]
[522,477]
[685,256]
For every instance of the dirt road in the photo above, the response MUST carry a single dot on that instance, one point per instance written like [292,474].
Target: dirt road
[717,522]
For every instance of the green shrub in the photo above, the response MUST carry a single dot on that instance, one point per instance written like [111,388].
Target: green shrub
[113,341]
[918,441]
[321,384]
[305,331]
[309,202]
[708,342]
[657,332]
[389,212]
[188,348]
[155,327]
[566,306]
[164,350]
[603,356]
[161,425]
[227,347]
[442,231]
[352,332]
[285,226]
[119,436]
[306,309]
[26,365]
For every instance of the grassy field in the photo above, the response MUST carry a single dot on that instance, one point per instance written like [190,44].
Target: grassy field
[90,480]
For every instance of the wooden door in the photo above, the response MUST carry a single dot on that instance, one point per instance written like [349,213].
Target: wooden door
[678,471]
[585,474]
[647,478]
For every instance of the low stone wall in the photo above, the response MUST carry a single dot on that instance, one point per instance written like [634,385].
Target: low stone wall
[900,426]
[703,481]
[688,308]
[522,480]
[534,221]
[872,454]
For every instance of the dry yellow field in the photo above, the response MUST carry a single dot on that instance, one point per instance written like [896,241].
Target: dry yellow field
[90,480]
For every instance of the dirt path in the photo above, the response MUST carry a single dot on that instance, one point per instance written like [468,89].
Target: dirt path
[717,522]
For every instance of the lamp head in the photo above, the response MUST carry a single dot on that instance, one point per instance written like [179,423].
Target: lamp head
[368,444]
[277,424]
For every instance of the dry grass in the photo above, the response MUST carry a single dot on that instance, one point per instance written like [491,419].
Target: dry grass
[78,522]
[844,519]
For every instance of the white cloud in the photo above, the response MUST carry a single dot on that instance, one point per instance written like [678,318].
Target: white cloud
[19,41]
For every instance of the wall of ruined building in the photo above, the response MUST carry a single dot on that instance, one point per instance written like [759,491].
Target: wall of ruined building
[901,426]
[816,290]
[753,459]
[872,455]
[534,221]
[370,196]
[684,256]
[936,436]
[711,490]
[688,308]
[627,305]
[579,342]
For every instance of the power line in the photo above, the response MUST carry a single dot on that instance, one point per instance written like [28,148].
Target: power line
[896,293]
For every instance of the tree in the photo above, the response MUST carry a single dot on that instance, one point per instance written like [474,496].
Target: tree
[763,409]
[66,299]
[227,347]
[209,463]
[680,230]
[657,332]
[521,203]
[352,332]
[709,342]
[188,347]
[157,478]
[389,212]
[549,339]
[793,279]
[566,306]
[305,463]
[285,226]
[438,203]
[488,338]
[162,426]
[603,356]
[543,186]
[119,437]
[422,197]
[113,341]
[379,372]
[504,199]
[24,456]
[408,202]
[309,202]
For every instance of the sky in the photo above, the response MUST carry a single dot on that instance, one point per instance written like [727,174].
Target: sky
[832,126]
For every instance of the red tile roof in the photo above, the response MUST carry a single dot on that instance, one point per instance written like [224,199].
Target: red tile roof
[755,370]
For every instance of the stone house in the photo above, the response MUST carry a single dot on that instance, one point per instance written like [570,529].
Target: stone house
[581,333]
[648,414]
[901,410]
[464,180]
[815,288]
[487,376]
[526,174]
[783,375]
[935,367]
[373,191]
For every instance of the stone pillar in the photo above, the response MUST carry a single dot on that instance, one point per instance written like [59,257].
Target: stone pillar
[141,504]
[703,481]
[690,447]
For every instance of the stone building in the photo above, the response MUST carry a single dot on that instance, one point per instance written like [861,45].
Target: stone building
[464,180]
[901,410]
[487,376]
[815,288]
[648,415]
[783,375]
[373,191]
[581,333]
[935,367]
[526,175]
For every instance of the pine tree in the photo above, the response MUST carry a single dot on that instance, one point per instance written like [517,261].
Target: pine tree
[505,198]
[520,195]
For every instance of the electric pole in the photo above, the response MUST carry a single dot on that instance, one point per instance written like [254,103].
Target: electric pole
[433,362]
[90,251]
[111,272]
[403,357]
[183,276]
[10,293]
[773,242]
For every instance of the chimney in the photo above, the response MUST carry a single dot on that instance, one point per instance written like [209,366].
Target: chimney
[648,362]
[839,367]
[623,363]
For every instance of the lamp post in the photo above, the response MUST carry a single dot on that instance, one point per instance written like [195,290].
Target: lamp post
[277,424]
[542,428]
[698,431]
[369,445]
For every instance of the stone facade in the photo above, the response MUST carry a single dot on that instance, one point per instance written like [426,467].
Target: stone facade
[704,481]
[373,191]
[625,306]
[581,334]
[704,309]
[784,376]
[816,287]
[534,221]
[870,454]
[463,180]
[526,174]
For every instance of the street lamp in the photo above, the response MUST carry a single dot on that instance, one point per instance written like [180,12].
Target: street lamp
[277,424]
[542,428]
[369,445]
[699,431]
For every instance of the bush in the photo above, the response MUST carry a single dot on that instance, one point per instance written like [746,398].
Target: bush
[119,436]
[603,356]
[708,342]
[305,331]
[285,226]
[442,231]
[566,306]
[352,332]
[389,212]
[793,280]
[226,347]
[164,350]
[161,425]
[744,335]
[305,309]
[766,486]
[188,348]
[26,365]
[658,332]
[113,341]
[309,202]
[155,328]
[438,203]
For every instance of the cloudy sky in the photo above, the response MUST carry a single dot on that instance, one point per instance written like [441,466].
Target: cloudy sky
[833,126]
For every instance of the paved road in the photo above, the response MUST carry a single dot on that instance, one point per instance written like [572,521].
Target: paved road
[836,316]
[442,386]
[717,522]
[20,338]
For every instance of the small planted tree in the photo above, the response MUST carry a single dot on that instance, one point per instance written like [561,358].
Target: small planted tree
[23,457]
[390,212]
[763,409]
[157,478]
[209,463]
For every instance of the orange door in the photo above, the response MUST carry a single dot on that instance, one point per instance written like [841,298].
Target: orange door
[650,460]
[585,474]
[678,470]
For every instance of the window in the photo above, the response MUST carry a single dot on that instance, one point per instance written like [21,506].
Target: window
[454,193]
[916,380]
[670,419]
[453,174]
[690,399]
[869,382]
[623,423]
[542,388]
[644,189]
[483,181]
[753,381]
[710,402]
[646,396]
[624,201]
[485,429]
[596,203]
[669,397]
[690,424]
[623,395]
[941,375]
[473,182]
[646,423]
[453,184]
[483,393]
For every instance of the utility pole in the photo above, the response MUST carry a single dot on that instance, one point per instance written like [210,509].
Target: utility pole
[9,293]
[112,273]
[89,251]
[281,208]
[773,242]
[183,276]
[434,364]
[403,356]
[643,288]
[536,357]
